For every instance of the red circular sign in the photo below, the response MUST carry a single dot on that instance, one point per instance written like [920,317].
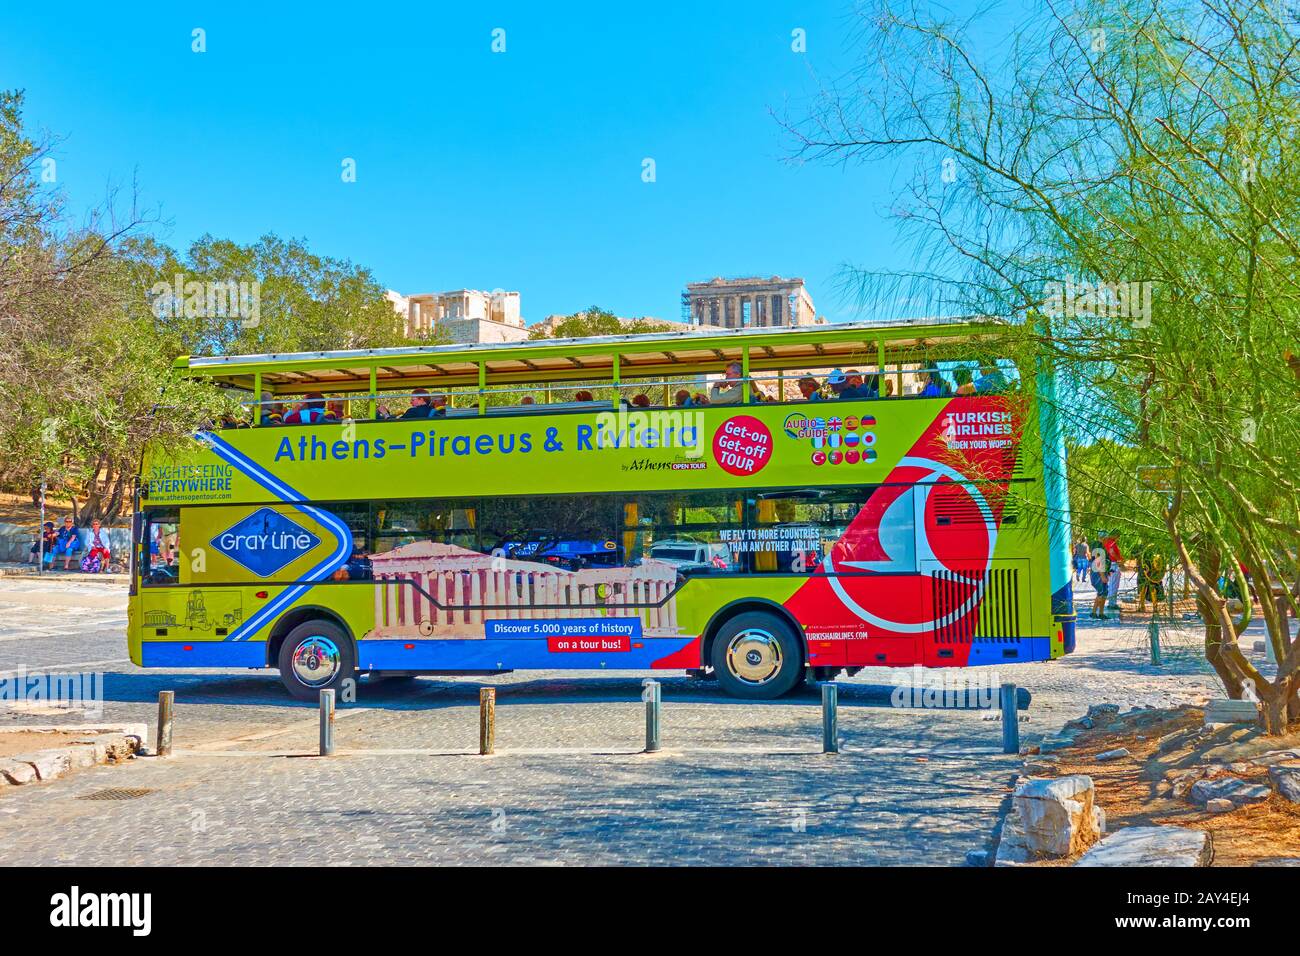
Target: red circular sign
[742,445]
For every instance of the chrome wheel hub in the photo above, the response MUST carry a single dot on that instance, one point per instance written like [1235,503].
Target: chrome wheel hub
[754,656]
[316,661]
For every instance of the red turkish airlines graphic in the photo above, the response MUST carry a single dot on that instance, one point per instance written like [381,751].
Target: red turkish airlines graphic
[915,555]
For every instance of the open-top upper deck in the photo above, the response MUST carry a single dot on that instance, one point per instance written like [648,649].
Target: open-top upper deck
[608,358]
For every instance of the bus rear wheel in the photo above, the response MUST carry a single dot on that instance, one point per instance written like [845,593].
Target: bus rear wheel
[757,656]
[316,655]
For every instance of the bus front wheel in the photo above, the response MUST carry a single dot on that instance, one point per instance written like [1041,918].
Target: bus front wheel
[315,656]
[757,656]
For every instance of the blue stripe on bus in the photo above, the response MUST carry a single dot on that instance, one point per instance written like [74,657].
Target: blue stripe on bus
[202,654]
[455,654]
[988,653]
[286,493]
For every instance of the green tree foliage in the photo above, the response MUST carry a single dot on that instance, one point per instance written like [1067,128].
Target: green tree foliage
[593,321]
[90,326]
[1106,155]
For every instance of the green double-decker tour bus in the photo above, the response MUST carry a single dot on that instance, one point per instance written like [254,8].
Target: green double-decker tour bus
[756,505]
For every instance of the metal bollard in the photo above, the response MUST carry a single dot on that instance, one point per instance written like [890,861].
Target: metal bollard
[487,720]
[327,723]
[653,700]
[166,701]
[1010,720]
[830,718]
[1153,635]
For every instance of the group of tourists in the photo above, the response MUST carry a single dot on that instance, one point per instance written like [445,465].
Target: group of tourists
[66,543]
[313,408]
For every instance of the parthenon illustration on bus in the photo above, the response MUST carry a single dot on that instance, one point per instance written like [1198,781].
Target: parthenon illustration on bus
[432,589]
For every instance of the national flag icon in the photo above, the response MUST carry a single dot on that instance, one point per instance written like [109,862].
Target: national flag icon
[869,438]
[869,455]
[851,457]
[850,422]
[819,440]
[819,458]
[834,438]
[851,439]
[836,457]
[833,423]
[868,421]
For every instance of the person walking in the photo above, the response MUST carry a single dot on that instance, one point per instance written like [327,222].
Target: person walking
[1081,560]
[1097,577]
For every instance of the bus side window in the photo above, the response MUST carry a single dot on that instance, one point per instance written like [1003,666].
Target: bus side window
[161,548]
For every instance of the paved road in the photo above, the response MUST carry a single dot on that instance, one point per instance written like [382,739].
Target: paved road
[737,783]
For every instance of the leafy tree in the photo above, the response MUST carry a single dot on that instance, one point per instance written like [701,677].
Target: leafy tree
[1141,152]
[92,320]
[593,321]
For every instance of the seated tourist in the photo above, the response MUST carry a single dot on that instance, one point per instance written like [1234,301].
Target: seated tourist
[43,542]
[928,386]
[230,421]
[837,381]
[67,544]
[991,380]
[641,401]
[311,411]
[438,404]
[961,375]
[271,412]
[582,395]
[682,399]
[528,400]
[97,556]
[810,389]
[852,386]
[421,404]
[731,390]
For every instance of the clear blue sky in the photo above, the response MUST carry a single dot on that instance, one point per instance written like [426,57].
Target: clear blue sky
[519,170]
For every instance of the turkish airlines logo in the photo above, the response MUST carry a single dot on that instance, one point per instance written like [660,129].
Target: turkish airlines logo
[885,539]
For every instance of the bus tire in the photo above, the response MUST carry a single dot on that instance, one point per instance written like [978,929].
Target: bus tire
[316,655]
[757,656]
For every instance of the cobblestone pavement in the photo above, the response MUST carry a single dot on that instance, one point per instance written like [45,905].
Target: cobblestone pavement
[738,782]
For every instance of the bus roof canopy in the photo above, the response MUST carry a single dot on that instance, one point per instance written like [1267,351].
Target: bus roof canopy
[609,358]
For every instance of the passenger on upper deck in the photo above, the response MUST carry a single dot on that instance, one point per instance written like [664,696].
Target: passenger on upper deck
[582,395]
[961,375]
[991,379]
[271,411]
[929,384]
[421,404]
[641,401]
[852,387]
[810,389]
[230,421]
[310,412]
[731,390]
[682,399]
